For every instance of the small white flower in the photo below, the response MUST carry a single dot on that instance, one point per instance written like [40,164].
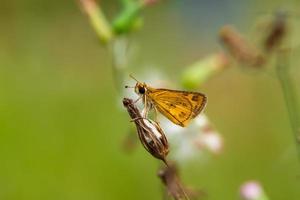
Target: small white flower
[188,142]
[212,141]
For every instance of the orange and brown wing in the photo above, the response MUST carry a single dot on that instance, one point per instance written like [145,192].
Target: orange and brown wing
[178,106]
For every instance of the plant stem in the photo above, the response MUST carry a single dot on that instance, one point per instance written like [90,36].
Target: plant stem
[97,20]
[290,96]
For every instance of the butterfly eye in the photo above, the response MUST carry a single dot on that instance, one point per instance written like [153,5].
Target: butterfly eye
[142,90]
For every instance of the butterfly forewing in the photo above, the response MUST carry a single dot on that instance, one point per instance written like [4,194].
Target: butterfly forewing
[178,106]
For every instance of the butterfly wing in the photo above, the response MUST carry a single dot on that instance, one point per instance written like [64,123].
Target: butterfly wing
[178,106]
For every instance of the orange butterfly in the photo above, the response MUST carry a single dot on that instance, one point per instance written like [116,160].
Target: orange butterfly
[180,107]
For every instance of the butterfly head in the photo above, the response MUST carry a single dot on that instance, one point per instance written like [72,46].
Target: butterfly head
[140,88]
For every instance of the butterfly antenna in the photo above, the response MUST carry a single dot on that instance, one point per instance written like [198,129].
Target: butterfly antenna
[126,86]
[130,75]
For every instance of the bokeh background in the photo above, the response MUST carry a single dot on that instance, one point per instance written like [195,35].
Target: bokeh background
[61,119]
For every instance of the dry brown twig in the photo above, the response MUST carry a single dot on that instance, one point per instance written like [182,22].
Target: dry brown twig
[174,187]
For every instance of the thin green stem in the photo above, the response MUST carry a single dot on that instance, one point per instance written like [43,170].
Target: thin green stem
[97,20]
[290,96]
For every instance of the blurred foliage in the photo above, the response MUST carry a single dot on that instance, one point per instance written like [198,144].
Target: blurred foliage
[62,125]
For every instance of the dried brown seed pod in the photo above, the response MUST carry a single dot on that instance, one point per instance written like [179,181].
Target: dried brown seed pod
[150,134]
[240,48]
[278,29]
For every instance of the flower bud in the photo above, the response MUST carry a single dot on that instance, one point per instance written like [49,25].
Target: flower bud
[240,48]
[252,190]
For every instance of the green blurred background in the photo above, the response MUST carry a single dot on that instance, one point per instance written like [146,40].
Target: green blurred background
[61,122]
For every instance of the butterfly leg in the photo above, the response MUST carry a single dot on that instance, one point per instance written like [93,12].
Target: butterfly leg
[137,100]
[155,114]
[146,109]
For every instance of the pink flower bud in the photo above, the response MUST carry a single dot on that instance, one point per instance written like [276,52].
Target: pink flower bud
[251,190]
